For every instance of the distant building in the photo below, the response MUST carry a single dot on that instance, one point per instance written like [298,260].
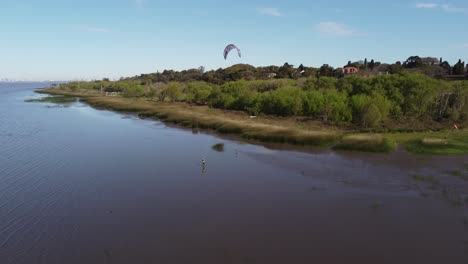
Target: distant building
[349,70]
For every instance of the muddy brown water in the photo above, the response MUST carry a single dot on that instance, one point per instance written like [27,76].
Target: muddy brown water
[79,185]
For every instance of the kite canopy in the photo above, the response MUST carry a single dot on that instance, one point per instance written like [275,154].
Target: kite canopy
[229,48]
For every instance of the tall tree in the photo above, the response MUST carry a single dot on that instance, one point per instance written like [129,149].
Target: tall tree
[446,66]
[413,62]
[326,70]
[459,68]
[301,67]
[372,64]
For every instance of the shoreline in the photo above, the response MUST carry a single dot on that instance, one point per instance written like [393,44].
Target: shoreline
[275,130]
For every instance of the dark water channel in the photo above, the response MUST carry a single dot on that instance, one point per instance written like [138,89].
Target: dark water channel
[79,185]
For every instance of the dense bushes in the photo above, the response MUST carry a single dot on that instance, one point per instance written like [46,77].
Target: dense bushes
[198,92]
[367,102]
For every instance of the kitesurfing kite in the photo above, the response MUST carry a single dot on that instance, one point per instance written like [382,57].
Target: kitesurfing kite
[229,48]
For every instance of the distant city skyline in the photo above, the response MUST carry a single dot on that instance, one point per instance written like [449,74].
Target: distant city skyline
[85,40]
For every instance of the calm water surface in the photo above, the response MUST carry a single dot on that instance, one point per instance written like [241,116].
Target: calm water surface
[79,185]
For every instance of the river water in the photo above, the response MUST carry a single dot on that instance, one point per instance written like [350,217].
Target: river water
[80,185]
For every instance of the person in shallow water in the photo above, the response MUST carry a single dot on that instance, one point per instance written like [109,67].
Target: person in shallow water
[203,166]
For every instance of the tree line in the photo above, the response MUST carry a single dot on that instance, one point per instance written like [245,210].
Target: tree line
[369,102]
[430,66]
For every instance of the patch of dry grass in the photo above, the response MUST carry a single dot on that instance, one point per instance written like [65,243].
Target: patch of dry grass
[434,142]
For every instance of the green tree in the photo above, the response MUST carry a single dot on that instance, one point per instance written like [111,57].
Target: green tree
[371,116]
[133,90]
[326,70]
[326,83]
[446,66]
[173,91]
[313,104]
[198,92]
[335,106]
[413,62]
[459,68]
[285,101]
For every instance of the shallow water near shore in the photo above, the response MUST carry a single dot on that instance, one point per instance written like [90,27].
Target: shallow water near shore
[80,185]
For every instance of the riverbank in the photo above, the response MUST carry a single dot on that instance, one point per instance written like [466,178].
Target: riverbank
[296,131]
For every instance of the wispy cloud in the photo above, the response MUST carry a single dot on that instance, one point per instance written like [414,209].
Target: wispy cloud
[270,11]
[453,9]
[427,5]
[336,29]
[443,7]
[93,29]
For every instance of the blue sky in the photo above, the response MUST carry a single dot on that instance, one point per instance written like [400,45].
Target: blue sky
[92,39]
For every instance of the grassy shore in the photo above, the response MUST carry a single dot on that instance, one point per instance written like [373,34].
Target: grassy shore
[366,143]
[295,131]
[449,142]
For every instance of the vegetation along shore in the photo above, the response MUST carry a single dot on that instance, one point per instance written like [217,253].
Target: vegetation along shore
[372,112]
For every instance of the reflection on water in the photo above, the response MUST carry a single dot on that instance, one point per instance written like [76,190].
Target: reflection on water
[78,185]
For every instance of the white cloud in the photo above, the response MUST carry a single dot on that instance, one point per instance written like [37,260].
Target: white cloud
[445,7]
[93,29]
[335,28]
[270,11]
[453,9]
[427,5]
